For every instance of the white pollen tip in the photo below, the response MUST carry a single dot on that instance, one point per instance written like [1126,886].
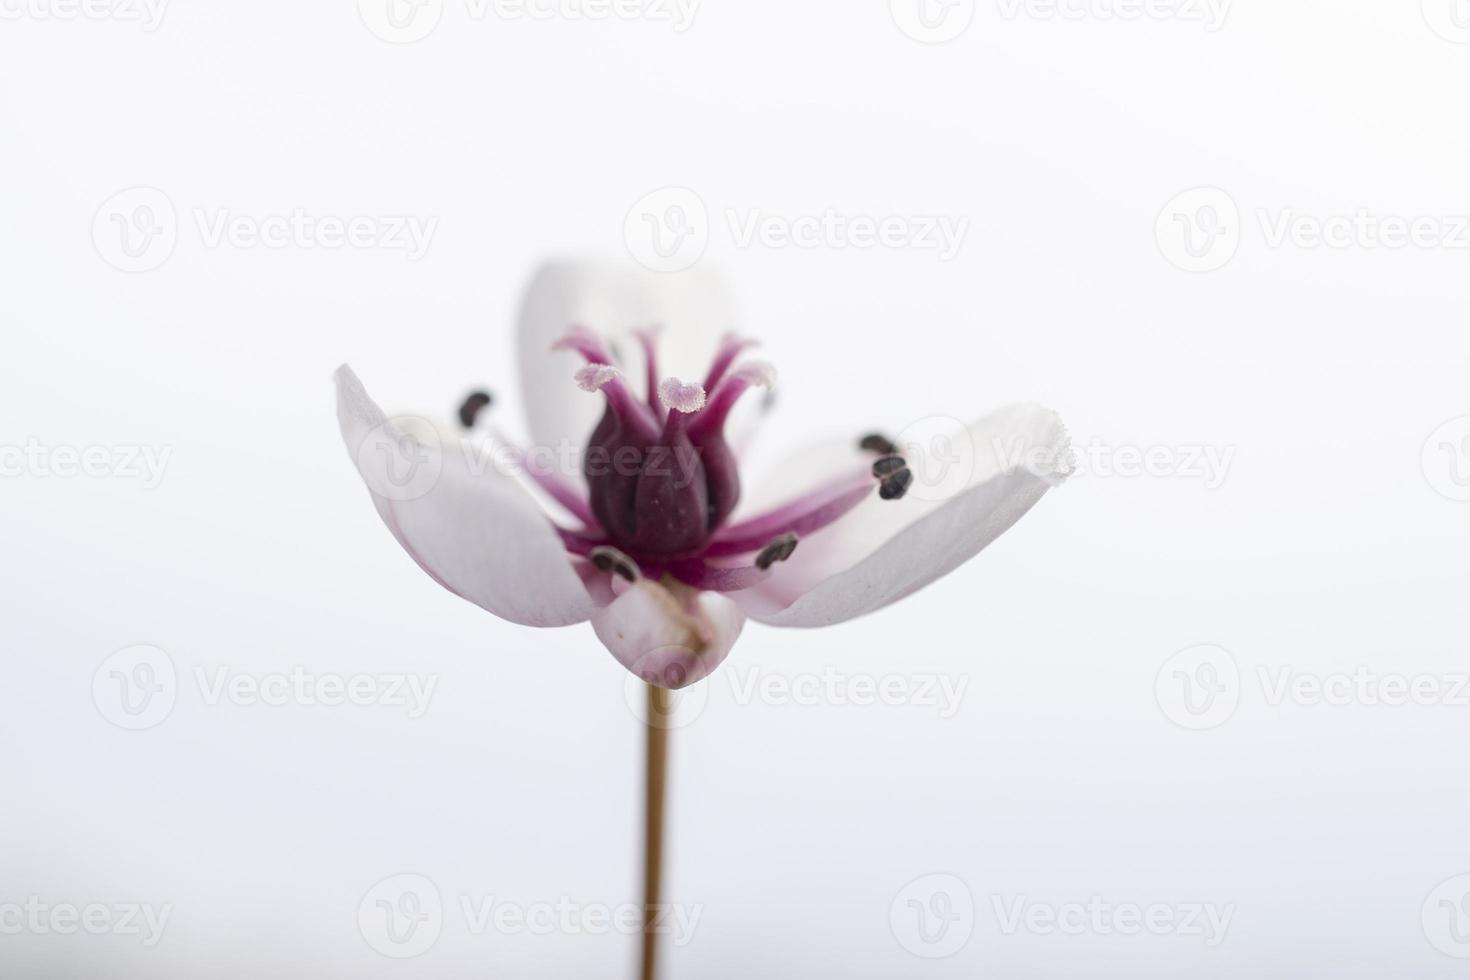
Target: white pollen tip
[760,373]
[593,377]
[681,397]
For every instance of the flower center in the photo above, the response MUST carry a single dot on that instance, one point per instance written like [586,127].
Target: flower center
[662,480]
[661,476]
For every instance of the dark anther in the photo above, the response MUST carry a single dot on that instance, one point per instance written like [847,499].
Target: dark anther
[473,404]
[895,485]
[613,560]
[888,465]
[878,443]
[779,549]
[893,476]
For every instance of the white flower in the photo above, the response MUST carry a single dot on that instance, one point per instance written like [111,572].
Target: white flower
[641,530]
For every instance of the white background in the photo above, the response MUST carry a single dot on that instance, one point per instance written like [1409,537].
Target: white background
[1329,544]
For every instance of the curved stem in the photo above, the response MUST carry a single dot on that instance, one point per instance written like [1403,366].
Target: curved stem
[660,706]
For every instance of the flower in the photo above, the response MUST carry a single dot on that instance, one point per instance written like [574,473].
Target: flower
[636,521]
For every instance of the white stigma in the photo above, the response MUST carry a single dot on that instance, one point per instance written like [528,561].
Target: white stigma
[681,397]
[593,377]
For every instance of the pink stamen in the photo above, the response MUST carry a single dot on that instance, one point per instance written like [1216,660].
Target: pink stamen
[731,347]
[683,398]
[709,578]
[577,544]
[582,341]
[741,380]
[648,339]
[572,500]
[801,517]
[629,410]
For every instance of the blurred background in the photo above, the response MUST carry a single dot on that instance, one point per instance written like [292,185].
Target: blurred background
[1197,715]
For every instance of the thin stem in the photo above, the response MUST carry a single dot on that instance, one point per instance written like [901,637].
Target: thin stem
[660,706]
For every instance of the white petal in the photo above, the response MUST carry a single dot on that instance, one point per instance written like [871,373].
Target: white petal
[886,549]
[473,528]
[694,309]
[670,637]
